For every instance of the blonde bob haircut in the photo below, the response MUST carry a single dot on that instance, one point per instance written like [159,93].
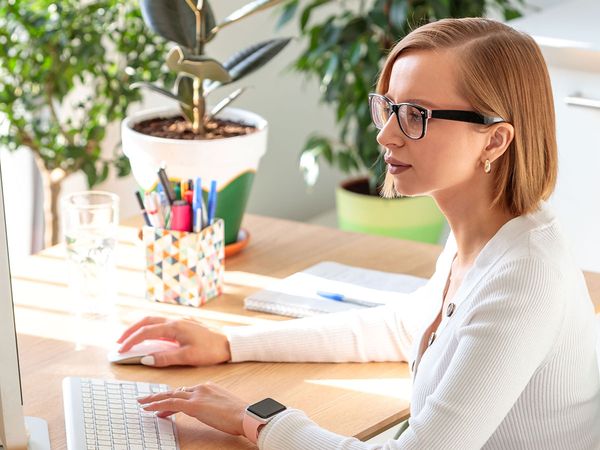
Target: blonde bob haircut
[502,73]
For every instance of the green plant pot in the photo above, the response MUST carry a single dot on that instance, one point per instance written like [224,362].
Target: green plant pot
[413,218]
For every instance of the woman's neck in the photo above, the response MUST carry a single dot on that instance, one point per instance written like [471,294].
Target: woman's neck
[473,225]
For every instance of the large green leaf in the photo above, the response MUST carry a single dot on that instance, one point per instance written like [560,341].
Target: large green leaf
[248,60]
[199,66]
[175,20]
[244,11]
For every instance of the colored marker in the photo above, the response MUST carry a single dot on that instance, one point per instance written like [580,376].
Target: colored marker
[181,216]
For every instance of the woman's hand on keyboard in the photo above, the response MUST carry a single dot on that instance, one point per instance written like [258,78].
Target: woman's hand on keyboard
[209,403]
[199,345]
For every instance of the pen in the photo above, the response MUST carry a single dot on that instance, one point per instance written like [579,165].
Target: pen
[212,202]
[163,202]
[151,209]
[138,196]
[160,218]
[197,205]
[166,185]
[342,298]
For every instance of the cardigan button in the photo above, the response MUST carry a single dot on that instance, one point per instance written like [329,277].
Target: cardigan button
[450,309]
[431,339]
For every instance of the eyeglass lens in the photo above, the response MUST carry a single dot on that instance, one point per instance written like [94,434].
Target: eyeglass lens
[410,118]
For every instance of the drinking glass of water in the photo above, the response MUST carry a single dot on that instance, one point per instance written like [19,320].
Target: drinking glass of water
[90,220]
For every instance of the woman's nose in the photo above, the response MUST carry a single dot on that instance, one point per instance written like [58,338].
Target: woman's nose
[391,134]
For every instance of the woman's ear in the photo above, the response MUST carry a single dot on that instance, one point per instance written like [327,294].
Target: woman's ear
[500,136]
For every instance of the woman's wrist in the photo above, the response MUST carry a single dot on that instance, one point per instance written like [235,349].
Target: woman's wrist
[226,349]
[260,429]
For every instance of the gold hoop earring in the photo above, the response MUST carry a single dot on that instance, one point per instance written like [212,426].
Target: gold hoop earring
[487,166]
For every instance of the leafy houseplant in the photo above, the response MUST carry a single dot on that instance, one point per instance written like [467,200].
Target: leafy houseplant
[191,140]
[345,51]
[52,52]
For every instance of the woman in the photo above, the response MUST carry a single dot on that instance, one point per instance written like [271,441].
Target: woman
[501,339]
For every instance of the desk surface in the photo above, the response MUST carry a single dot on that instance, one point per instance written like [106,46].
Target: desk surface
[333,395]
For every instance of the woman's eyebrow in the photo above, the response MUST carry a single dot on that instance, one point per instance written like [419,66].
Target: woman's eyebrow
[418,101]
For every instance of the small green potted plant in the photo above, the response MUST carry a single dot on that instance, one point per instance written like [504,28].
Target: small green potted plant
[189,138]
[345,52]
[60,88]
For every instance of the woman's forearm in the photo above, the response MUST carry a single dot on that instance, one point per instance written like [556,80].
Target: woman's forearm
[374,334]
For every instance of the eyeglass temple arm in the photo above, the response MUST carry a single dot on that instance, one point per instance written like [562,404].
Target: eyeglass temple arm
[464,116]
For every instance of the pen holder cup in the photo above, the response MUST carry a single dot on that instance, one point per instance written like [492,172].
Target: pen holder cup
[182,267]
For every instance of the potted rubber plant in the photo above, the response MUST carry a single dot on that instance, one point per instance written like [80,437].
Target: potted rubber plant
[345,51]
[190,138]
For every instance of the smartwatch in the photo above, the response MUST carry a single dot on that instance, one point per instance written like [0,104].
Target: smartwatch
[258,415]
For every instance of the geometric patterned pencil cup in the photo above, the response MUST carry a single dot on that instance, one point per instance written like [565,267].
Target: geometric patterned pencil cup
[182,267]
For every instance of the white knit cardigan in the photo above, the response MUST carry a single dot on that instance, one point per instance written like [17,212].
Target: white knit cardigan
[514,367]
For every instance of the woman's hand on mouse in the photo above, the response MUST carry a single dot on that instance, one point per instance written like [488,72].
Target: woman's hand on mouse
[209,403]
[199,345]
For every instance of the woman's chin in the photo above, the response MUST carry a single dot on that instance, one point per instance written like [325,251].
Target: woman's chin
[405,191]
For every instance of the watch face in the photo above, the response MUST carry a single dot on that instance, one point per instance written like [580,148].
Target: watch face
[266,408]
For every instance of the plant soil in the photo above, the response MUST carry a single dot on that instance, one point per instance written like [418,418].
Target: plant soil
[178,128]
[358,186]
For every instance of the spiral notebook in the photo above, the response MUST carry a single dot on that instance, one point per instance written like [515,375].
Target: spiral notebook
[296,295]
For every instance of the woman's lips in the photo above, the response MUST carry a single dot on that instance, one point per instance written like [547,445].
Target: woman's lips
[396,169]
[395,166]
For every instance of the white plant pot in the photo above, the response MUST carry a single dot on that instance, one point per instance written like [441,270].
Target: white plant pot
[220,159]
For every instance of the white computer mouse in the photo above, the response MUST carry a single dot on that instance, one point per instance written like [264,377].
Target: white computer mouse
[138,351]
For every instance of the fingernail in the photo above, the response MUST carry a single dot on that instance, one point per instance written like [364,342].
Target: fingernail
[147,360]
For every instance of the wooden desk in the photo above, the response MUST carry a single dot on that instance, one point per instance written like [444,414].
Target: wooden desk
[333,395]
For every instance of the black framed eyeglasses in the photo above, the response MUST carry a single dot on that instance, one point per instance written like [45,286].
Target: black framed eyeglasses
[413,118]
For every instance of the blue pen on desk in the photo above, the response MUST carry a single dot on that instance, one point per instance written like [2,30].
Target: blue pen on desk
[197,205]
[342,298]
[212,202]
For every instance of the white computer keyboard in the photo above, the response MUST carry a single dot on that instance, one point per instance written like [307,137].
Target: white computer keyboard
[105,415]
